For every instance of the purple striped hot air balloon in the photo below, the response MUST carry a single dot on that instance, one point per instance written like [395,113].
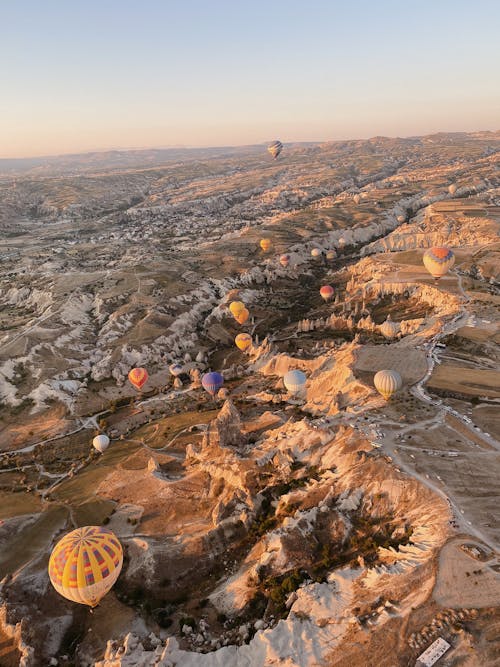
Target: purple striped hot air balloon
[212,382]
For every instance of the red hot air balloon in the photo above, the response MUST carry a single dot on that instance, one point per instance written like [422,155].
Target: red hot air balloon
[138,377]
[326,292]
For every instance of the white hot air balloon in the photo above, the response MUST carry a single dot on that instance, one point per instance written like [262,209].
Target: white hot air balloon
[387,383]
[101,442]
[294,381]
[389,329]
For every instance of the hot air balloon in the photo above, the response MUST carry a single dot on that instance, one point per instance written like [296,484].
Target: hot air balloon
[294,381]
[242,316]
[389,329]
[236,307]
[243,341]
[438,261]
[138,377]
[357,199]
[212,382]
[387,383]
[401,219]
[452,189]
[326,292]
[175,369]
[265,244]
[315,253]
[101,442]
[275,148]
[285,260]
[85,564]
[331,254]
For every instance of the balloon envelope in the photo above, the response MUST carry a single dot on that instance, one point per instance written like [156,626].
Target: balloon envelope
[265,244]
[275,148]
[294,381]
[452,189]
[387,383]
[331,254]
[243,316]
[285,260]
[138,377]
[85,564]
[212,382]
[101,442]
[389,329]
[236,307]
[243,341]
[438,261]
[315,252]
[326,292]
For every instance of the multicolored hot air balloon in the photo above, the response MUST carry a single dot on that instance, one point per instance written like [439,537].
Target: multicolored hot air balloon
[265,244]
[294,381]
[175,369]
[452,189]
[330,255]
[101,442]
[85,563]
[138,377]
[326,292]
[243,341]
[212,382]
[275,148]
[243,316]
[387,383]
[438,261]
[389,329]
[236,307]
[285,260]
[315,253]
[401,219]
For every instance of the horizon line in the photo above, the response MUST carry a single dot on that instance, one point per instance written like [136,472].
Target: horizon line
[188,147]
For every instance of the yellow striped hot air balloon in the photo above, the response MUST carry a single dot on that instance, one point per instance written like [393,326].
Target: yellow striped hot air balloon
[236,307]
[438,261]
[243,341]
[138,377]
[242,316]
[265,244]
[85,564]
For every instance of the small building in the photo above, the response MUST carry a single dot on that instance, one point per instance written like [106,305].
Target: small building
[432,654]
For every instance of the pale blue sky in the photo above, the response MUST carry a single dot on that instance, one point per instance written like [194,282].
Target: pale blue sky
[80,75]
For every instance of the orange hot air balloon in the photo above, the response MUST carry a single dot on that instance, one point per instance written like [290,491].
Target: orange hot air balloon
[438,261]
[265,244]
[326,292]
[243,316]
[236,307]
[138,377]
[243,341]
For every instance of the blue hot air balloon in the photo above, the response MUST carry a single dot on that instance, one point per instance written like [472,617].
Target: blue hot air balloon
[175,369]
[212,382]
[294,381]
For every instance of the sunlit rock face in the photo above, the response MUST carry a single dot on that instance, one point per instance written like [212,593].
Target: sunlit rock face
[259,527]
